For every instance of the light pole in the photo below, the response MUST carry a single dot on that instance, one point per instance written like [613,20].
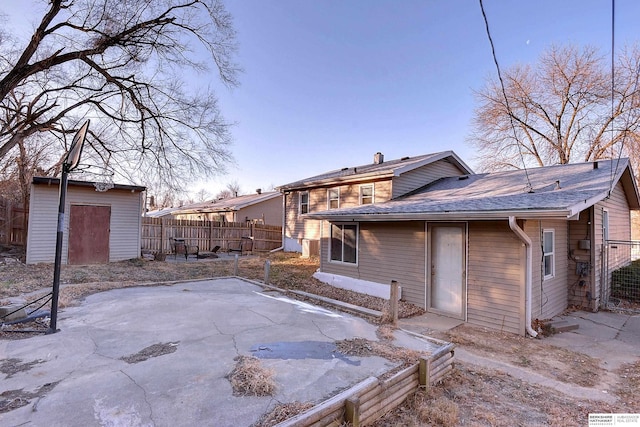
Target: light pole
[69,163]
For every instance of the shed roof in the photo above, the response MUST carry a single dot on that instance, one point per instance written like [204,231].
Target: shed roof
[560,191]
[40,180]
[228,204]
[388,168]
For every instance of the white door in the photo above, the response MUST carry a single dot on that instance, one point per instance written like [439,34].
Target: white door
[447,269]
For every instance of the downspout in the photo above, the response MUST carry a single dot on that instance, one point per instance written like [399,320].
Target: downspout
[528,274]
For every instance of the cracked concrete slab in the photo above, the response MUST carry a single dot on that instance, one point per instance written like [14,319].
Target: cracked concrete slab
[209,323]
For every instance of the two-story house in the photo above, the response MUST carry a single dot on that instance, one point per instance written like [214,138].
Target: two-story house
[353,186]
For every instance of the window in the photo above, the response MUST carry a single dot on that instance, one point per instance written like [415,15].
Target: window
[605,225]
[366,194]
[548,253]
[333,194]
[344,242]
[304,203]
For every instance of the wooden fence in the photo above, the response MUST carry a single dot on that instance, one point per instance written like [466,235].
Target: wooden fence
[13,224]
[156,233]
[370,399]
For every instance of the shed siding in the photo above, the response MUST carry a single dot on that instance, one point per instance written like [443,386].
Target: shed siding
[387,251]
[495,279]
[422,176]
[124,238]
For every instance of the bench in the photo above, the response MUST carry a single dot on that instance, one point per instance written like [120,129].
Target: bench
[180,246]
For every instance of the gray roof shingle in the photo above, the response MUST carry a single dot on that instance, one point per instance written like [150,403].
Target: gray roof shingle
[577,185]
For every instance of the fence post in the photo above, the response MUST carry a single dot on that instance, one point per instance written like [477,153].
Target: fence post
[394,302]
[267,271]
[424,372]
[161,235]
[352,411]
[235,265]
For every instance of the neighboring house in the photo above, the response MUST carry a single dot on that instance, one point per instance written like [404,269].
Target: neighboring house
[495,250]
[99,227]
[161,213]
[369,184]
[263,208]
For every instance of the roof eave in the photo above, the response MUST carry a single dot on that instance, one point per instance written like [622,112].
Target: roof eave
[446,216]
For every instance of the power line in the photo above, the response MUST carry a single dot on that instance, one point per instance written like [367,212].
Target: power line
[504,94]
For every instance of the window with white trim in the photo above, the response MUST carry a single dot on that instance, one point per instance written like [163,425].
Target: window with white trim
[344,243]
[366,194]
[605,225]
[304,203]
[548,251]
[333,196]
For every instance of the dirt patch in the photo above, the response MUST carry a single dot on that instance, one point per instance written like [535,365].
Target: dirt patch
[154,350]
[533,354]
[13,366]
[18,331]
[14,399]
[250,378]
[629,386]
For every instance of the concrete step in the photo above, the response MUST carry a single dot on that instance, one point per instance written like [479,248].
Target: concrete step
[563,326]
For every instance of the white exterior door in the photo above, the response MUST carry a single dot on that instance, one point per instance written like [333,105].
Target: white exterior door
[447,269]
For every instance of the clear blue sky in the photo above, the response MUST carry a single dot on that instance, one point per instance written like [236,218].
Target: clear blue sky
[326,84]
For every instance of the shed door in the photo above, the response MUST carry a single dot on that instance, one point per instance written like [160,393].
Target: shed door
[447,269]
[89,234]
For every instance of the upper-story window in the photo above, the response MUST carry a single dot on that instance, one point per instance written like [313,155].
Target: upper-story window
[366,194]
[333,195]
[304,203]
[605,224]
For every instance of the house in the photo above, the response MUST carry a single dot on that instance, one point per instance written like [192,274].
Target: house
[99,226]
[264,208]
[373,183]
[495,250]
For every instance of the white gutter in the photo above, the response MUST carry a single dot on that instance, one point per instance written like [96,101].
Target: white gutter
[528,273]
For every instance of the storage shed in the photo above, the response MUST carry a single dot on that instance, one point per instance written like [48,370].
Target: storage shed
[99,226]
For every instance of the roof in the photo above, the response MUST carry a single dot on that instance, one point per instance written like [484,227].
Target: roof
[387,168]
[39,180]
[159,213]
[560,191]
[228,204]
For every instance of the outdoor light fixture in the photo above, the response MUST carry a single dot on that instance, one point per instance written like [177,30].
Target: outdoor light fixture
[69,163]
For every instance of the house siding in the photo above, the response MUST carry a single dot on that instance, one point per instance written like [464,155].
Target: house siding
[420,177]
[386,252]
[577,231]
[495,279]
[619,229]
[549,296]
[125,223]
[298,228]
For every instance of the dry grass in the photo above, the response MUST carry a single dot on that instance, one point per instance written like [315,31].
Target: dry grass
[554,362]
[250,378]
[283,412]
[484,397]
[288,271]
[363,347]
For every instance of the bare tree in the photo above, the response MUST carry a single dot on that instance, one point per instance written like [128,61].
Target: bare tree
[123,64]
[232,189]
[559,110]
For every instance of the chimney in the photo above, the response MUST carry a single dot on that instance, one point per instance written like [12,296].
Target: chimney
[378,158]
[259,190]
[595,165]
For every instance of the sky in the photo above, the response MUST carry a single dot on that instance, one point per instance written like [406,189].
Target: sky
[327,84]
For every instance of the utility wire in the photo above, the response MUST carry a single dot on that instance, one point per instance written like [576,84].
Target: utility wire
[504,94]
